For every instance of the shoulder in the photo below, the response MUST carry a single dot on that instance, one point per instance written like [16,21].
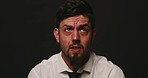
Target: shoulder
[102,64]
[43,67]
[101,60]
[51,60]
[48,62]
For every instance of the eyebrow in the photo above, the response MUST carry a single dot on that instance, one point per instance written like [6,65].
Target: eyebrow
[83,25]
[67,26]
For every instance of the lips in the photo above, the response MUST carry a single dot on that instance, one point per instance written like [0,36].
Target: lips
[75,48]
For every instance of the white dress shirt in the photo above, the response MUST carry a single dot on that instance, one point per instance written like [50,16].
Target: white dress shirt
[96,67]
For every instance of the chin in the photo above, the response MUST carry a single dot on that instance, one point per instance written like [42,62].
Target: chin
[75,55]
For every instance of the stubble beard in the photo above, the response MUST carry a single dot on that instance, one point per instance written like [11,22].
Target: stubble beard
[74,58]
[78,59]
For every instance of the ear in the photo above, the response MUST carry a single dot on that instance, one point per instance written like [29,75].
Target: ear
[94,34]
[56,34]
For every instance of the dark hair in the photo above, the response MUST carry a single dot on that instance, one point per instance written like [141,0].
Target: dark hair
[73,8]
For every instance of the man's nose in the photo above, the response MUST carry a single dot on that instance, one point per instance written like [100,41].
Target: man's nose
[76,36]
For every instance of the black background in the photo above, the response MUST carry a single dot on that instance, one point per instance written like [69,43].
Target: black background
[27,34]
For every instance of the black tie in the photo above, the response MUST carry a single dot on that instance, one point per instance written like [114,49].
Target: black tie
[73,75]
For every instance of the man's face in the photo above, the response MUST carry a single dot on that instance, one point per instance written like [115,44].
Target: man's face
[74,36]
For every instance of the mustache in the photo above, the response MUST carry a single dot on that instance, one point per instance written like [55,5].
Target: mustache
[75,45]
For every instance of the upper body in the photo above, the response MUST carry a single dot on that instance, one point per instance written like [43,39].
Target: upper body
[75,32]
[96,67]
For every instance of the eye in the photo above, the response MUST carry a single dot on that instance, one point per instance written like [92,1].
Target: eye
[83,30]
[67,29]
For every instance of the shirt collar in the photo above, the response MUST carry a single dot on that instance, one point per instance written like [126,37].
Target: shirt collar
[89,64]
[62,66]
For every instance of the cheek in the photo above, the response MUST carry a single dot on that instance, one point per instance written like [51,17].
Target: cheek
[86,41]
[64,40]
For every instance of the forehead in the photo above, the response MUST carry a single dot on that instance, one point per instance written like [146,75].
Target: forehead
[75,20]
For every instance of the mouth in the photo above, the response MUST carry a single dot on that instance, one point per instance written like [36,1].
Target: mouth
[75,48]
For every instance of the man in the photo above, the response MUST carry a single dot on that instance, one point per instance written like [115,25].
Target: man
[74,32]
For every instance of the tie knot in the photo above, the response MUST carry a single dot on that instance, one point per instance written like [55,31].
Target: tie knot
[74,75]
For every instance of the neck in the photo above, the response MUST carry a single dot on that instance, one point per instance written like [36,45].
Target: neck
[74,65]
